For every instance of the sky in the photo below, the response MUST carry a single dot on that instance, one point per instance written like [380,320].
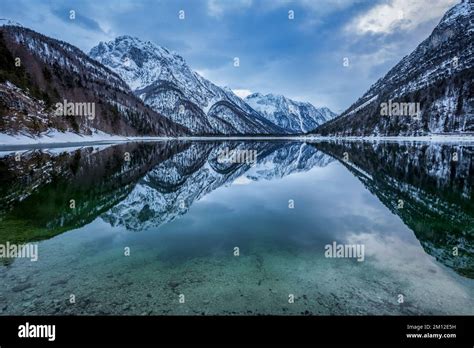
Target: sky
[327,52]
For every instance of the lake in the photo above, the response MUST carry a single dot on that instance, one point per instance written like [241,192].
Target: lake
[239,227]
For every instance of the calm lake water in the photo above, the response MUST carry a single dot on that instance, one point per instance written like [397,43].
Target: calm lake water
[183,227]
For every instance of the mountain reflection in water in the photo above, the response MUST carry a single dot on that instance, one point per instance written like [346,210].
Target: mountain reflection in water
[187,204]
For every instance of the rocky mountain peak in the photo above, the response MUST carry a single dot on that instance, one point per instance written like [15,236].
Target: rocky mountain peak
[295,116]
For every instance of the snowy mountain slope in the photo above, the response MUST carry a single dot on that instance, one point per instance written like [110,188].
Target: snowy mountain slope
[53,71]
[438,75]
[294,116]
[7,22]
[164,81]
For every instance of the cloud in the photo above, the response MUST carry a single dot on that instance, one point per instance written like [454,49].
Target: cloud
[321,6]
[389,52]
[242,180]
[217,8]
[241,93]
[80,19]
[398,15]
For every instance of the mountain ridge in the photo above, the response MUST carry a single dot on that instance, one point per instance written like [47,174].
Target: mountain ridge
[38,72]
[296,116]
[164,81]
[438,76]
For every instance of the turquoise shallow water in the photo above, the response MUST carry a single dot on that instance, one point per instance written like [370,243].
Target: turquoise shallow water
[181,213]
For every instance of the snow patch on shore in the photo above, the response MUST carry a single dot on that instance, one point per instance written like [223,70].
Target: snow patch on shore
[57,137]
[438,138]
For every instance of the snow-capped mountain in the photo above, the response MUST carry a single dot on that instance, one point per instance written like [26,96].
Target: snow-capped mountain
[164,81]
[6,21]
[294,116]
[437,77]
[53,71]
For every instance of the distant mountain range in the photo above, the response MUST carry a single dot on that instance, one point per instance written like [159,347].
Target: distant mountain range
[164,81]
[293,116]
[437,78]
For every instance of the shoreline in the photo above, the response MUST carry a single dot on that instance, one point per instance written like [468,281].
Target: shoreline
[73,139]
